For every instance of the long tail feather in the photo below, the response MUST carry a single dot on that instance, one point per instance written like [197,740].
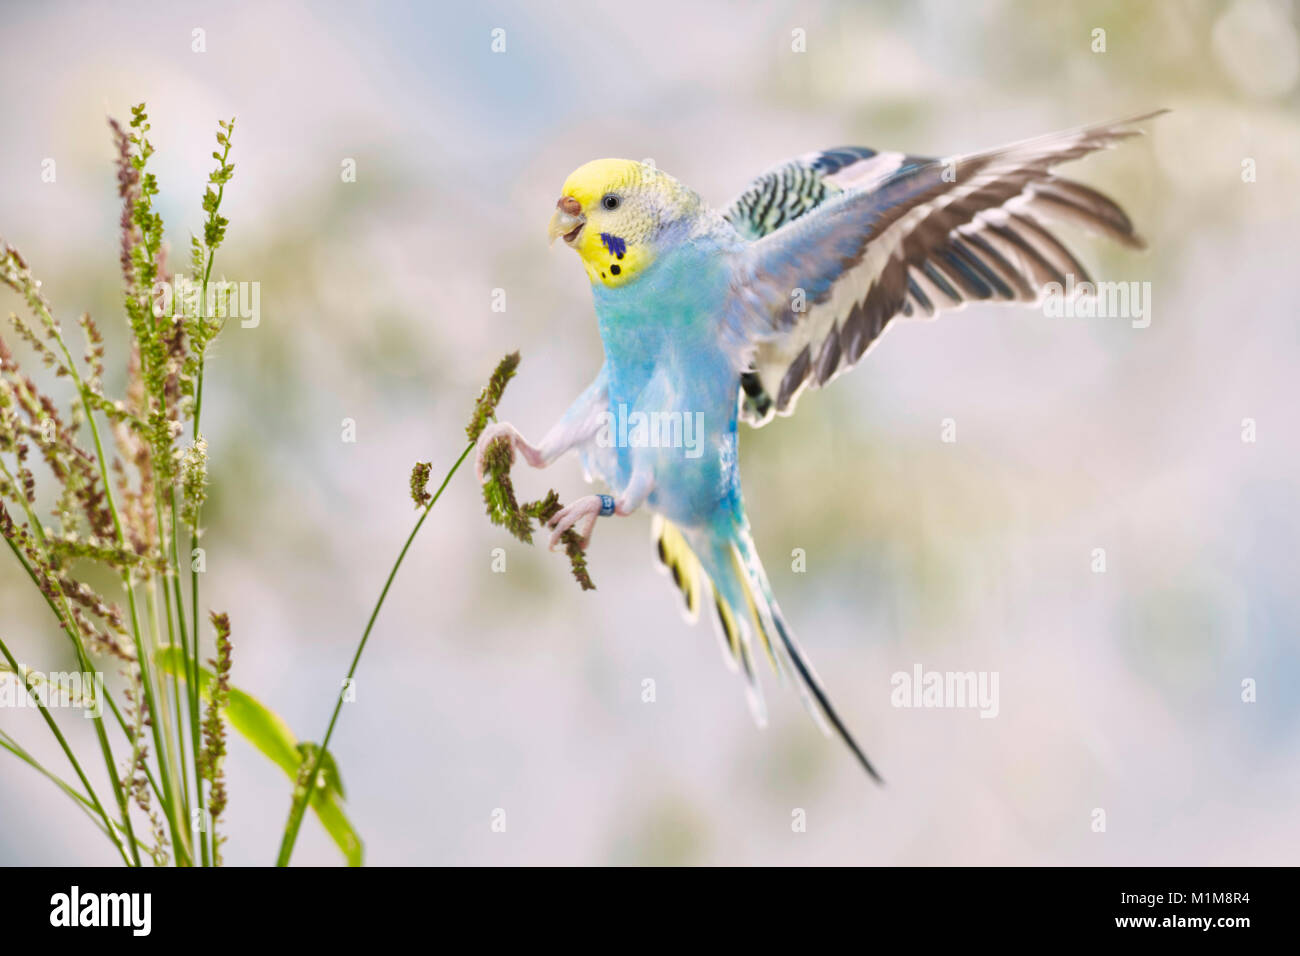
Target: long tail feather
[747,617]
[813,694]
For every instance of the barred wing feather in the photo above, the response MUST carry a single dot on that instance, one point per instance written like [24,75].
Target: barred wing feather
[865,237]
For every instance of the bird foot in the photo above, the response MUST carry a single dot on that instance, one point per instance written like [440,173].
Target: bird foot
[517,442]
[585,510]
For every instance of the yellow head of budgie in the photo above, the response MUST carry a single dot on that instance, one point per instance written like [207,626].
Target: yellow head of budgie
[613,211]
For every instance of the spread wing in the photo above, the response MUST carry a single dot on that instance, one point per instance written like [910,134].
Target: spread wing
[844,241]
[787,191]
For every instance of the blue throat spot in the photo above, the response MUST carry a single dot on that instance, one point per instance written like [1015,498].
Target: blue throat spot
[614,244]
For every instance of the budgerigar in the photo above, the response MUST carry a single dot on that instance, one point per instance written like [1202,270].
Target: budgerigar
[709,318]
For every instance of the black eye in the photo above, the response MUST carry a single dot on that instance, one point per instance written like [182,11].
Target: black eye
[611,201]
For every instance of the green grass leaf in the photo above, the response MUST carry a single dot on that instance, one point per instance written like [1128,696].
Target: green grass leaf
[267,731]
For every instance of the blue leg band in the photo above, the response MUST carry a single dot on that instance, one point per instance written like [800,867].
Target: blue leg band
[606,505]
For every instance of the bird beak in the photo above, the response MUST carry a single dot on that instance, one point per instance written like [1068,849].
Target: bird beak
[567,221]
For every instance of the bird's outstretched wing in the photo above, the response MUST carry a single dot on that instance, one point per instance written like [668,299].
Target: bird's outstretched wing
[789,190]
[843,241]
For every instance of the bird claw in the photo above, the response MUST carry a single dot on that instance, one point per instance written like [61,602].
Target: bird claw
[586,510]
[517,442]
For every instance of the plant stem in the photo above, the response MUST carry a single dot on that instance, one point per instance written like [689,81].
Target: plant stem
[83,661]
[107,481]
[164,733]
[192,682]
[58,734]
[192,691]
[108,698]
[193,662]
[300,801]
[84,802]
[141,652]
[190,658]
[171,642]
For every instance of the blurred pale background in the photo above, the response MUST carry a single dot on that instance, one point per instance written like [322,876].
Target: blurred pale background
[481,690]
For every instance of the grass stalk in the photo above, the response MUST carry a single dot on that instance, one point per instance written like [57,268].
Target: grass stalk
[82,801]
[212,240]
[134,859]
[306,786]
[108,698]
[141,541]
[83,661]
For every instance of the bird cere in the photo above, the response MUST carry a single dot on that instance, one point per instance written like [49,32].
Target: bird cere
[701,326]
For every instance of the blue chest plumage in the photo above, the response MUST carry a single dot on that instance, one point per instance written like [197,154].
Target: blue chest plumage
[672,386]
